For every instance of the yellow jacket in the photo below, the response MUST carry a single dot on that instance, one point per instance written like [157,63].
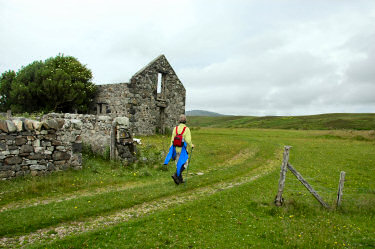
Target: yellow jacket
[186,135]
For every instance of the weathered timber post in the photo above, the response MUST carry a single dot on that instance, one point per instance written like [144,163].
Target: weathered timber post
[307,185]
[112,148]
[341,187]
[279,196]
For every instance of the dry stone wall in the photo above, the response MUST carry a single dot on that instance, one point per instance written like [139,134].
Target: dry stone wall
[37,148]
[94,130]
[55,143]
[103,133]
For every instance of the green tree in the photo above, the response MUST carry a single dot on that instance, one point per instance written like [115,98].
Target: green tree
[6,80]
[24,92]
[59,84]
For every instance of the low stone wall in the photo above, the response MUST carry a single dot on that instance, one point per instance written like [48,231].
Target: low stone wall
[55,143]
[94,130]
[37,148]
[97,131]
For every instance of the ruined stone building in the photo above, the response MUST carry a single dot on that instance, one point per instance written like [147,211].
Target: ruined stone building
[152,100]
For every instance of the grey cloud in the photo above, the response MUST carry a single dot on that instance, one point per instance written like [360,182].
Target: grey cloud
[243,57]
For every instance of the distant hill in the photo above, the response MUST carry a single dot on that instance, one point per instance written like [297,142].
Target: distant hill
[333,121]
[203,113]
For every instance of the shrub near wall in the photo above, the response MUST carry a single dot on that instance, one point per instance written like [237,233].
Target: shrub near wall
[37,148]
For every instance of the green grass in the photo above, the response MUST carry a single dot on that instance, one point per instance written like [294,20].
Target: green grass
[355,121]
[238,217]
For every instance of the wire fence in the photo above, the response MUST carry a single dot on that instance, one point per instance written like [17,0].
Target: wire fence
[330,192]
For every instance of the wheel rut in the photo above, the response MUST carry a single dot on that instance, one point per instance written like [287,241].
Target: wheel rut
[63,230]
[238,158]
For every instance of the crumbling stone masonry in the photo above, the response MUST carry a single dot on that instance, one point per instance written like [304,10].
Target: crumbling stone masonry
[102,133]
[94,130]
[37,148]
[55,143]
[153,100]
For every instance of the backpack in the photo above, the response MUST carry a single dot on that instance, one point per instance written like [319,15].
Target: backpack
[178,140]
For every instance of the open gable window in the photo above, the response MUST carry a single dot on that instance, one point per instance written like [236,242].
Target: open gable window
[160,77]
[160,85]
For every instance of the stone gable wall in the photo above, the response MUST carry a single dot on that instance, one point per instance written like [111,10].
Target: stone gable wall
[151,110]
[147,110]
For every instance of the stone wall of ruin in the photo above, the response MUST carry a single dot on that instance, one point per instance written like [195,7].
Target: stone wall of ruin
[149,110]
[113,99]
[139,100]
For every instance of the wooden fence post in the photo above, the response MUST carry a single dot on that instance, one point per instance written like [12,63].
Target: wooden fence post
[279,196]
[341,187]
[307,185]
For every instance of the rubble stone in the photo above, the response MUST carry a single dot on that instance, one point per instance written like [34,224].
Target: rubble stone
[11,126]
[13,160]
[19,124]
[20,140]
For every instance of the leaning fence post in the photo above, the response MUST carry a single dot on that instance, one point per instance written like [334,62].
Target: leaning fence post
[307,185]
[279,197]
[341,187]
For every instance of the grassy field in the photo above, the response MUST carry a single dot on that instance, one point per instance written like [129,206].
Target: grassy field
[226,203]
[357,121]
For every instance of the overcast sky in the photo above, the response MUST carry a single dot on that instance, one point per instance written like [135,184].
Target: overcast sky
[234,57]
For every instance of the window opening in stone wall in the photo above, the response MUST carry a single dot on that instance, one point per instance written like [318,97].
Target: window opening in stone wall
[160,76]
[100,108]
[103,108]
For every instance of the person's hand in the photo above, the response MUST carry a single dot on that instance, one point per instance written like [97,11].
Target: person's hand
[192,145]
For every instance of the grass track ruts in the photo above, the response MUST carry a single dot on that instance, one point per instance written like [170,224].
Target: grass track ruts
[238,158]
[70,196]
[69,228]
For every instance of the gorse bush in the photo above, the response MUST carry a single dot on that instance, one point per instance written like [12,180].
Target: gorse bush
[60,84]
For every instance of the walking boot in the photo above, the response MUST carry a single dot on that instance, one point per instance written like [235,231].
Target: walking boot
[175,179]
[180,179]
